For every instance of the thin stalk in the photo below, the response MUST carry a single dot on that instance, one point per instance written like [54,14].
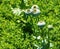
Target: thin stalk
[48,40]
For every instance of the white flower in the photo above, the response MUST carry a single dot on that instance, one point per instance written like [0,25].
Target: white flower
[35,11]
[50,26]
[16,11]
[41,23]
[38,37]
[34,37]
[51,45]
[35,7]
[28,11]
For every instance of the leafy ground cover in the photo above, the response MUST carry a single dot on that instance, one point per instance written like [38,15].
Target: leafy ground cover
[20,31]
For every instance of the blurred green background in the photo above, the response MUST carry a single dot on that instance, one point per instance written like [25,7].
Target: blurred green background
[12,34]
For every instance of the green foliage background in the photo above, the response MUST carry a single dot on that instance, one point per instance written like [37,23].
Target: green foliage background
[11,33]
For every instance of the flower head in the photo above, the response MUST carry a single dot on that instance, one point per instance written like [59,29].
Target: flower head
[51,45]
[38,37]
[35,7]
[41,23]
[35,11]
[50,26]
[16,11]
[28,11]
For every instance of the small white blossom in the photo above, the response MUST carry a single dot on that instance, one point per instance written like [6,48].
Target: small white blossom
[41,23]
[38,37]
[28,11]
[16,11]
[50,26]
[35,11]
[51,45]
[35,7]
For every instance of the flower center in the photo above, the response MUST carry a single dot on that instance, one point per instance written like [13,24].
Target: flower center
[34,11]
[28,10]
[40,21]
[34,6]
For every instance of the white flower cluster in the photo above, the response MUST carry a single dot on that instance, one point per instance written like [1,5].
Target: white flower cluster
[16,11]
[34,10]
[28,11]
[42,23]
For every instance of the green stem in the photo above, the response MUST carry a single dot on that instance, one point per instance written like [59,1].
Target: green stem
[48,40]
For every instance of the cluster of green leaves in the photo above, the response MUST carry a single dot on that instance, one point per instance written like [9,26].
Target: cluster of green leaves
[14,35]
